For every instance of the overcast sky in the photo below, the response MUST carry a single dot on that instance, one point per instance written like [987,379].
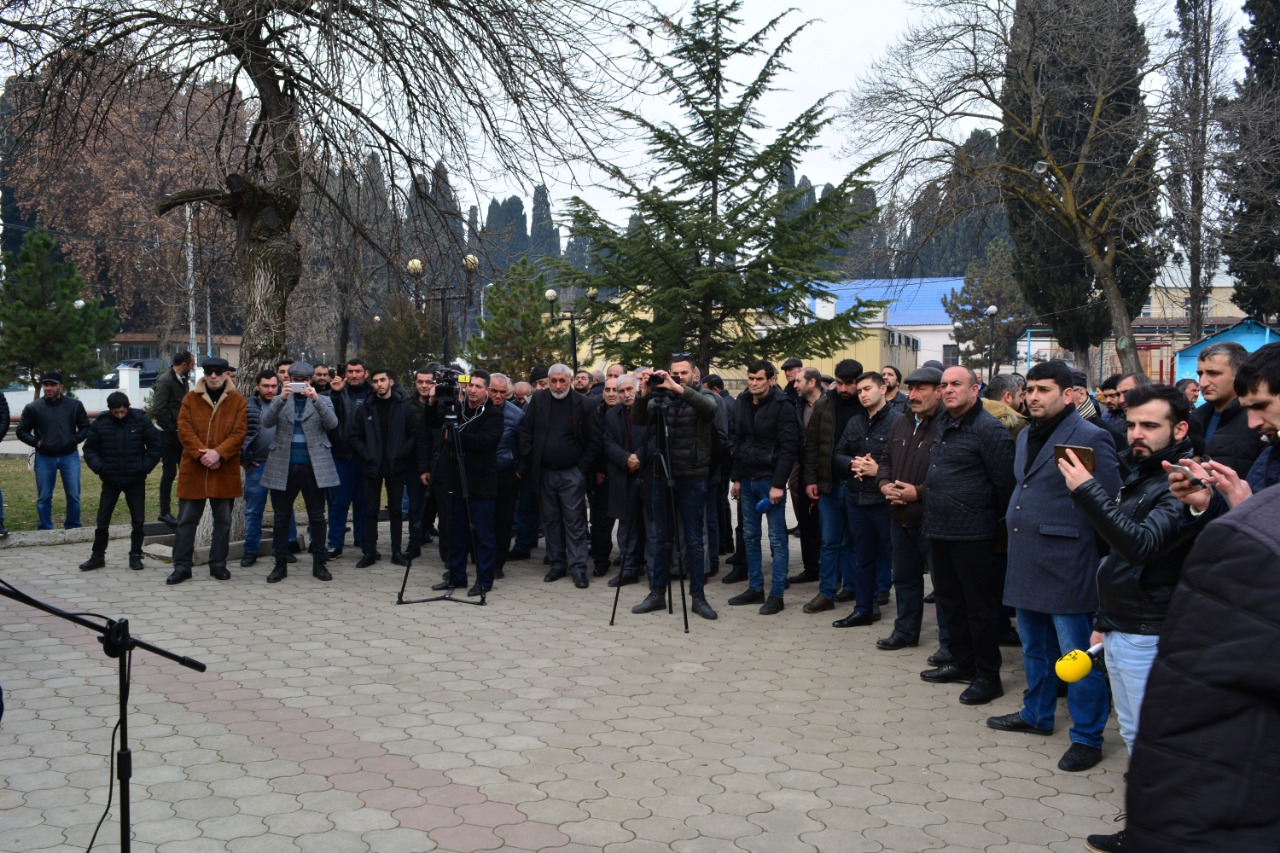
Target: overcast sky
[828,56]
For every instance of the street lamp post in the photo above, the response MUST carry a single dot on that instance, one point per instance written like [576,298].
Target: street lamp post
[551,296]
[469,263]
[991,361]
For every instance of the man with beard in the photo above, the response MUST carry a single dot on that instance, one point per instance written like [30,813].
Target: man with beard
[348,404]
[385,439]
[1053,563]
[892,379]
[559,440]
[830,487]
[1149,542]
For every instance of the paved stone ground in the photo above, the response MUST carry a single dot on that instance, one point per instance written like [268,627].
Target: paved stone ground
[331,719]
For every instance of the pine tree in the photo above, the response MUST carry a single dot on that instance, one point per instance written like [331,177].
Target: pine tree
[717,261]
[516,332]
[45,322]
[544,234]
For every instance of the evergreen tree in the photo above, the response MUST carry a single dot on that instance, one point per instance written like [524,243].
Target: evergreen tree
[717,262]
[45,324]
[403,338]
[544,234]
[1077,169]
[516,332]
[990,281]
[1252,237]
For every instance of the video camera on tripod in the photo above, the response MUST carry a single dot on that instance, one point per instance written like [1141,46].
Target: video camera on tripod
[448,391]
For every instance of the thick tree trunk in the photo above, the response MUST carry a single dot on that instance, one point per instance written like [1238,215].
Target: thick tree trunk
[1121,327]
[271,271]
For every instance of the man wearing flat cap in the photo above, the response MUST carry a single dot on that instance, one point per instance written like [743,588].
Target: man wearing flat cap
[211,426]
[54,425]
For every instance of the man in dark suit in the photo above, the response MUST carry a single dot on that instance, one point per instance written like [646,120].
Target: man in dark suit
[626,449]
[559,440]
[1053,564]
[385,438]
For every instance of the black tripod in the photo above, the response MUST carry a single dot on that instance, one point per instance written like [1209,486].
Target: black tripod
[657,406]
[452,450]
[116,643]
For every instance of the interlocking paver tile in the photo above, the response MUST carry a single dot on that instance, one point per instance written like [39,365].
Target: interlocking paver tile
[329,719]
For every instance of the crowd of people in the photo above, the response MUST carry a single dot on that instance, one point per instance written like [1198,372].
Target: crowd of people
[1028,502]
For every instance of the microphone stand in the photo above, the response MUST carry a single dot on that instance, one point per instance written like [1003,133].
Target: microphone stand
[116,643]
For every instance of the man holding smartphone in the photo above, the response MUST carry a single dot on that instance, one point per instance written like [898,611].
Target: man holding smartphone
[1053,562]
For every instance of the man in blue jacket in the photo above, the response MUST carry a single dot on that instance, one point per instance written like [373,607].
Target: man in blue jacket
[1053,565]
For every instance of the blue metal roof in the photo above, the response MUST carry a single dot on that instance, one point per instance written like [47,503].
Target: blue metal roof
[915,301]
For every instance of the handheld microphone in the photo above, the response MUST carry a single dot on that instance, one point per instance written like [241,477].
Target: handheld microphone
[1076,664]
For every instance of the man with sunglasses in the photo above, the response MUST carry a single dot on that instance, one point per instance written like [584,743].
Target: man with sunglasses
[212,425]
[55,425]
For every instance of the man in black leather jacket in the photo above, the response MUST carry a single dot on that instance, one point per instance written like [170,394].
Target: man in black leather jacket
[1149,533]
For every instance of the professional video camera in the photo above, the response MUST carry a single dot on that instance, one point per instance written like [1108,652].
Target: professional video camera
[447,389]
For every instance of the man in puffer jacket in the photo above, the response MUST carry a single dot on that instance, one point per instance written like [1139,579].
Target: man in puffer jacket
[122,448]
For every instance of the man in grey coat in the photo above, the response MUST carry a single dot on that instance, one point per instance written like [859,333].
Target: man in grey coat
[301,460]
[1053,565]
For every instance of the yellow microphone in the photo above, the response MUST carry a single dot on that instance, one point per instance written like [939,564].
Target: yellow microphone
[1076,664]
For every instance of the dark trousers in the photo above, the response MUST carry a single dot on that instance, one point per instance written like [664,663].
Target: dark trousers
[712,518]
[170,456]
[690,495]
[417,505]
[302,478]
[910,565]
[739,558]
[135,497]
[184,541]
[724,514]
[348,492]
[524,526]
[373,486]
[504,515]
[631,534]
[810,529]
[463,515]
[869,524]
[966,582]
[562,507]
[601,526]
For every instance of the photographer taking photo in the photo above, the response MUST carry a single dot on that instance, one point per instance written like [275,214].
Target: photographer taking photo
[467,455]
[690,415]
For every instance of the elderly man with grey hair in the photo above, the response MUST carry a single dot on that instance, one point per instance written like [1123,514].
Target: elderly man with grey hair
[559,442]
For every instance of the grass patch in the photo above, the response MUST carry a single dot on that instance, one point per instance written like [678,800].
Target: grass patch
[19,487]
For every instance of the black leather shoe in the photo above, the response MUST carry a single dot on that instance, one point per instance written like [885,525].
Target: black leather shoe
[946,674]
[713,571]
[894,642]
[321,573]
[736,575]
[1015,723]
[652,603]
[1010,639]
[414,551]
[882,597]
[931,598]
[477,590]
[804,577]
[773,604]
[295,547]
[844,596]
[1079,757]
[135,562]
[334,554]
[289,558]
[940,657]
[623,580]
[167,518]
[398,559]
[443,585]
[982,691]
[94,562]
[748,596]
[854,620]
[599,571]
[279,573]
[580,580]
[554,575]
[178,576]
[517,555]
[248,560]
[220,574]
[369,558]
[703,609]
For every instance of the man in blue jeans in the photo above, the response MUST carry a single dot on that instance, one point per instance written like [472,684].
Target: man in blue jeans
[253,456]
[689,414]
[767,437]
[1053,564]
[55,425]
[347,405]
[827,486]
